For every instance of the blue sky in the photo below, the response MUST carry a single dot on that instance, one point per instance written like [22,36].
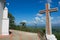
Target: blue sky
[27,11]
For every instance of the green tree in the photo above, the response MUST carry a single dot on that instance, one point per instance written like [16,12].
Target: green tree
[11,21]
[23,26]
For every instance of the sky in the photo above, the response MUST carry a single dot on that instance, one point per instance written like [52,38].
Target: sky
[28,11]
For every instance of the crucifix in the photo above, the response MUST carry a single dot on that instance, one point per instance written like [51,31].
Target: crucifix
[48,20]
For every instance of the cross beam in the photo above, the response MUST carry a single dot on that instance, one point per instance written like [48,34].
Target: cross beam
[48,20]
[50,10]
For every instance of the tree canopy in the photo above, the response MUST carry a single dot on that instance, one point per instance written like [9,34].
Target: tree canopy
[11,21]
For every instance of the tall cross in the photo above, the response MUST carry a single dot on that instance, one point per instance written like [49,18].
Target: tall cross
[48,20]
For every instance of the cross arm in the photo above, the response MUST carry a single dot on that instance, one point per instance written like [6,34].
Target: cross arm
[53,10]
[50,10]
[42,11]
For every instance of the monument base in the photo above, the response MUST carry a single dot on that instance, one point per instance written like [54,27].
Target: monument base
[5,26]
[51,37]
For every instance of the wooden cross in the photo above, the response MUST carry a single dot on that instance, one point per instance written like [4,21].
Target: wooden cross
[48,20]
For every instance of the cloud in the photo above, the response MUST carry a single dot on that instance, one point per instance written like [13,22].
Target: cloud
[49,1]
[37,19]
[41,21]
[39,14]
[24,21]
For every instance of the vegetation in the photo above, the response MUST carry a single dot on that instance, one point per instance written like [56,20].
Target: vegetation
[11,21]
[57,33]
[23,27]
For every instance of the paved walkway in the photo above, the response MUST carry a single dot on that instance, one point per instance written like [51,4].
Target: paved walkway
[20,35]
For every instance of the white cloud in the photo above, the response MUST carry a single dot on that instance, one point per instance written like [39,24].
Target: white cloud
[41,21]
[39,14]
[37,19]
[24,21]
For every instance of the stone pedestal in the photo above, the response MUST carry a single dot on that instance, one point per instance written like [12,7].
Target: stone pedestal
[5,27]
[51,37]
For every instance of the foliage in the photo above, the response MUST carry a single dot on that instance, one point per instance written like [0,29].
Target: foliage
[57,35]
[23,24]
[56,31]
[11,21]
